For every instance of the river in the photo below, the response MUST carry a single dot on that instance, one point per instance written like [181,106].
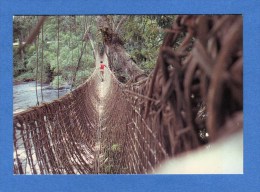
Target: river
[24,95]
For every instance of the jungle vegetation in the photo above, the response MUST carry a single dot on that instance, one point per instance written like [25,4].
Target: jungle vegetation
[63,49]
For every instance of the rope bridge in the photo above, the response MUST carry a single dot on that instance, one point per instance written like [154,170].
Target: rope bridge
[58,137]
[192,97]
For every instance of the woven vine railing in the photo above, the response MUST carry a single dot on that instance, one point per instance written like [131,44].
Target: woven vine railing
[192,97]
[58,137]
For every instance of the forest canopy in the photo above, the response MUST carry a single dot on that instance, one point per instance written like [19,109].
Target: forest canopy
[64,46]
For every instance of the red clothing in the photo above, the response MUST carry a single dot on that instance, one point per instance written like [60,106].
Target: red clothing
[102,66]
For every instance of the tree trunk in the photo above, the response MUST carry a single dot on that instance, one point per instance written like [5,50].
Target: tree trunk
[33,34]
[89,37]
[120,23]
[116,45]
[22,51]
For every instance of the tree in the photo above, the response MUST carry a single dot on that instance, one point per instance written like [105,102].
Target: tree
[73,59]
[132,45]
[114,44]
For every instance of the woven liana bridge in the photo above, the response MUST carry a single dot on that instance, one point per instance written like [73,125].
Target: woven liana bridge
[192,97]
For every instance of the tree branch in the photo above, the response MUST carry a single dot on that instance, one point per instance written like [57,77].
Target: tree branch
[123,19]
[33,34]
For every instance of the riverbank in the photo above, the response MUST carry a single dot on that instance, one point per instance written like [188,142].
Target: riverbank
[24,94]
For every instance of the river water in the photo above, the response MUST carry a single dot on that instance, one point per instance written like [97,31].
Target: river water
[24,95]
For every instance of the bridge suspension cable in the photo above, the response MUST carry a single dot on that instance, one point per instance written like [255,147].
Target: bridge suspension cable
[138,125]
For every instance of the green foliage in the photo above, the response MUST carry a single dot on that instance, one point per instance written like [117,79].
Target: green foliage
[111,155]
[108,169]
[27,76]
[142,37]
[115,147]
[82,76]
[58,79]
[72,29]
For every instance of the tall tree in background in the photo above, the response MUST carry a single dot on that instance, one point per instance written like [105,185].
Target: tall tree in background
[73,58]
[132,44]
[114,43]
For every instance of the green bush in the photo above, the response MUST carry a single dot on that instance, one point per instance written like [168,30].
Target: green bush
[82,76]
[62,82]
[28,76]
[115,147]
